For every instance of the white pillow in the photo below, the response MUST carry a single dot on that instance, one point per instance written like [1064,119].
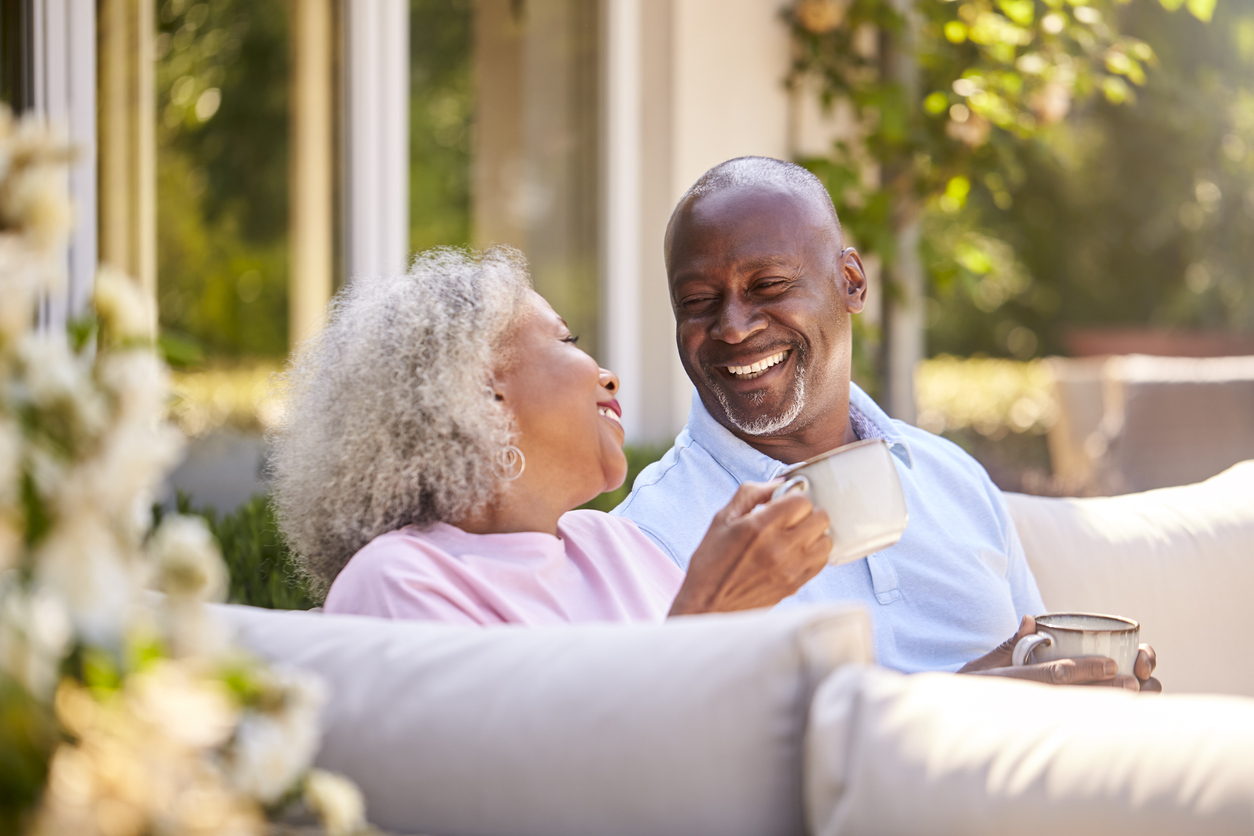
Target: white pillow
[940,754]
[692,727]
[1179,560]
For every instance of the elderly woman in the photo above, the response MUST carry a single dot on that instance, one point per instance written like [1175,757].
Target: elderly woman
[440,431]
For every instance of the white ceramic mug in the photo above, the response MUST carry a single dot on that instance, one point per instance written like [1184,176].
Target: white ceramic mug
[857,485]
[1066,635]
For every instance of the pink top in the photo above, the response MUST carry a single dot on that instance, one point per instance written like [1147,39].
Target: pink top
[601,569]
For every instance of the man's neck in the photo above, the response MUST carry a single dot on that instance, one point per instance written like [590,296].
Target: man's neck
[831,429]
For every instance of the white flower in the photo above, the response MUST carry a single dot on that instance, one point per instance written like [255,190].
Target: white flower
[125,310]
[337,801]
[98,578]
[121,477]
[186,561]
[273,747]
[23,273]
[34,636]
[59,385]
[187,567]
[194,710]
[36,198]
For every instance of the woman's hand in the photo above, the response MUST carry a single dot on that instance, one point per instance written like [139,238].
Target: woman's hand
[755,553]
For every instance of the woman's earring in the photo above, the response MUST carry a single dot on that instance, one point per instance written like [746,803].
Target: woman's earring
[511,463]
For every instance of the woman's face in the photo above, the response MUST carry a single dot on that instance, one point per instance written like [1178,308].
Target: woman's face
[565,417]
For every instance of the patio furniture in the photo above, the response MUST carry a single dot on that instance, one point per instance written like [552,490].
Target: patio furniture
[775,722]
[1133,423]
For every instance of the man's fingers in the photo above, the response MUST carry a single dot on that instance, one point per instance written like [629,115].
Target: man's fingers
[1027,626]
[1124,680]
[1084,670]
[1146,661]
[1151,685]
[785,512]
[748,496]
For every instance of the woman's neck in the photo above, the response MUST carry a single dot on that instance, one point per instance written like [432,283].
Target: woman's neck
[515,509]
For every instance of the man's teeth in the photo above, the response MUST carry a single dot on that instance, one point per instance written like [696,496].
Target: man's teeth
[755,369]
[609,413]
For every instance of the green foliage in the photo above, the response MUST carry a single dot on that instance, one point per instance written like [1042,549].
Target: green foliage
[638,458]
[28,734]
[990,75]
[262,570]
[440,121]
[1033,221]
[1132,215]
[222,127]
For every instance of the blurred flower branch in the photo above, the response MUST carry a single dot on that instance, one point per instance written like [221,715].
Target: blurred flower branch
[120,713]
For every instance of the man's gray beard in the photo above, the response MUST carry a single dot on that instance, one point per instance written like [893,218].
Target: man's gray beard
[768,425]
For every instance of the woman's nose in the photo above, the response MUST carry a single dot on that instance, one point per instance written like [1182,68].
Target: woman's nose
[610,381]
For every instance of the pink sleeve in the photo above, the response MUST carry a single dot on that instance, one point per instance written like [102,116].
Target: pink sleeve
[391,578]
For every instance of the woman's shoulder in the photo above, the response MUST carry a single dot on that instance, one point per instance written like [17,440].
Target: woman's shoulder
[398,548]
[588,521]
[588,527]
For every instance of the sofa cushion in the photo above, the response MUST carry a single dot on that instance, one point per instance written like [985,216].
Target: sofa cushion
[1179,560]
[690,727]
[940,754]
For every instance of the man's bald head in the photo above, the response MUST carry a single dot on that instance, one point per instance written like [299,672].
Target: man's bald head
[756,172]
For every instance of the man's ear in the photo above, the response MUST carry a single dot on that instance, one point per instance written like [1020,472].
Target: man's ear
[853,284]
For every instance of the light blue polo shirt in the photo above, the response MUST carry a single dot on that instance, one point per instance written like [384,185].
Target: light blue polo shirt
[953,588]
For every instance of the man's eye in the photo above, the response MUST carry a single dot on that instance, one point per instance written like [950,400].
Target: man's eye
[697,303]
[772,285]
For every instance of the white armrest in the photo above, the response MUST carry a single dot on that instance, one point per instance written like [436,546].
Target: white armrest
[1179,560]
[949,755]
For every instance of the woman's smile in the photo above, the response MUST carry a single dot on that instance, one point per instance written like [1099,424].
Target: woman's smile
[611,411]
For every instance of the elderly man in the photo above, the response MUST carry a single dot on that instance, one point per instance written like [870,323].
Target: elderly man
[763,291]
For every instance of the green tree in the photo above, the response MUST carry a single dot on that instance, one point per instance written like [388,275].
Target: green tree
[441,114]
[1131,215]
[222,123]
[947,95]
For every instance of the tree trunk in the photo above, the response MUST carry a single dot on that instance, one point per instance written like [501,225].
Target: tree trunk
[902,346]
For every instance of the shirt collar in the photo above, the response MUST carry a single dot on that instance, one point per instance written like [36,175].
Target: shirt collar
[746,464]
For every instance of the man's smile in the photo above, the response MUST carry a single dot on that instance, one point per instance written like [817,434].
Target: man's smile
[758,368]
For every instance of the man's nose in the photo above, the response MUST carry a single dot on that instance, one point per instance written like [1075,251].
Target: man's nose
[738,321]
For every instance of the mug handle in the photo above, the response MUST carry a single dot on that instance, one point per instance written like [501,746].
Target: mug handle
[1025,646]
[796,483]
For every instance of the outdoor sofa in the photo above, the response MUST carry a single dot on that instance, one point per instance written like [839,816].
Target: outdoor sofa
[779,722]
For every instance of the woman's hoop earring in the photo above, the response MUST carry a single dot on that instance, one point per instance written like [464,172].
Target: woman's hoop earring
[511,463]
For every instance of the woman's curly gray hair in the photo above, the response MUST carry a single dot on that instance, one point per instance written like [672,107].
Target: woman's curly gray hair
[389,417]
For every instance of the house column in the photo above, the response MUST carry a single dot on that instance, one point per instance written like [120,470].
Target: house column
[128,141]
[621,176]
[376,136]
[312,169]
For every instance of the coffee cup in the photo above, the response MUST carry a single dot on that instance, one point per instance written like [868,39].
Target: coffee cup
[1066,635]
[857,485]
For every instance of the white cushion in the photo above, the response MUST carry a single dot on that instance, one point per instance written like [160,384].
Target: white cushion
[1179,560]
[940,754]
[692,727]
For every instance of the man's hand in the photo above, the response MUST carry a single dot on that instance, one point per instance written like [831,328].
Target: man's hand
[1083,670]
[755,554]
